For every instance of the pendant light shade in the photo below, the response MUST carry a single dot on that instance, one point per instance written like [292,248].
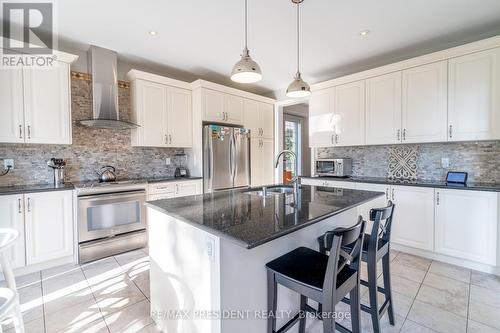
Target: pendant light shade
[246,70]
[298,88]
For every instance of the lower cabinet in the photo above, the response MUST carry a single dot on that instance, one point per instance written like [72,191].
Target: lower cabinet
[45,224]
[49,226]
[327,183]
[364,209]
[167,190]
[466,224]
[413,221]
[186,188]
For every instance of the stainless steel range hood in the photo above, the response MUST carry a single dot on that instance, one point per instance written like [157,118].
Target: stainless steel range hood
[102,63]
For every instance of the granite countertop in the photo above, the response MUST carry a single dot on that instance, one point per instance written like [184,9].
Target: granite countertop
[490,187]
[20,189]
[250,220]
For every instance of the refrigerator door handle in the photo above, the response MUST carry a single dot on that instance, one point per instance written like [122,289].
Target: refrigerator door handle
[231,156]
[235,154]
[210,162]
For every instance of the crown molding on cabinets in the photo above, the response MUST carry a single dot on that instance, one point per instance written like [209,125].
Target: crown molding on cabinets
[232,91]
[457,51]
[135,74]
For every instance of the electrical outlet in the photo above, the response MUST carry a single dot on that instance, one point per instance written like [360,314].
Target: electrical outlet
[8,162]
[167,161]
[445,162]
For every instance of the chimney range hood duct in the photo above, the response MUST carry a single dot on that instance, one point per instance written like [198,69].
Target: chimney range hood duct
[102,63]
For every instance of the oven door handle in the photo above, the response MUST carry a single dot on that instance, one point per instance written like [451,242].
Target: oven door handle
[111,195]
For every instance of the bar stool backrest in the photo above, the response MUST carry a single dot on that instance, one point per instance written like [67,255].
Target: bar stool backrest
[7,238]
[381,228]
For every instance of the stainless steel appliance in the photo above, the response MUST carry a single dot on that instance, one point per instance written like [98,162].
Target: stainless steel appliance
[111,218]
[334,167]
[57,165]
[226,157]
[107,174]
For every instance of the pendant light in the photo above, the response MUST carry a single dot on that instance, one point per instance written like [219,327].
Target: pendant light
[298,88]
[246,70]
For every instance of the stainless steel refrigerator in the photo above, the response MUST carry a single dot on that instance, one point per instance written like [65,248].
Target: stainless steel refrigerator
[226,157]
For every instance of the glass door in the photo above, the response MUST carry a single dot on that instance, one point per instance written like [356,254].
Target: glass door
[292,137]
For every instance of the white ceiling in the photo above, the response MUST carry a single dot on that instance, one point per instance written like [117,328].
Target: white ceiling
[205,38]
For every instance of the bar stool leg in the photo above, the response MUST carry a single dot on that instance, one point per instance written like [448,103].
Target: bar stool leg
[372,289]
[302,322]
[328,320]
[355,310]
[387,286]
[272,298]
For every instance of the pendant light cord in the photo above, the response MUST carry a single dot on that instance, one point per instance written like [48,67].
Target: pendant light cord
[298,39]
[246,24]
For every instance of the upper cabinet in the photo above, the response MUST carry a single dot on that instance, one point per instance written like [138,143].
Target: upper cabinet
[383,109]
[474,96]
[221,107]
[259,118]
[162,109]
[349,114]
[35,104]
[321,132]
[424,112]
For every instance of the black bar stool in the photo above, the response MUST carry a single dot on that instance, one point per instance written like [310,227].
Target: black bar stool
[322,278]
[376,247]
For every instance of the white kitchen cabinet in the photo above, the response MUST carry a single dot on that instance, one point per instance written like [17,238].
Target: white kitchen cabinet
[425,101]
[167,190]
[383,109]
[221,107]
[379,202]
[312,182]
[261,162]
[327,183]
[179,118]
[259,118]
[163,113]
[321,131]
[413,221]
[349,114]
[474,96]
[233,107]
[47,104]
[49,226]
[466,224]
[185,188]
[12,216]
[11,105]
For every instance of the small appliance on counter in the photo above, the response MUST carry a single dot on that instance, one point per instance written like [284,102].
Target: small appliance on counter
[181,171]
[107,174]
[456,178]
[57,165]
[334,167]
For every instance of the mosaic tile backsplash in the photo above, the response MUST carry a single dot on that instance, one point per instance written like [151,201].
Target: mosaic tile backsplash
[480,159]
[91,149]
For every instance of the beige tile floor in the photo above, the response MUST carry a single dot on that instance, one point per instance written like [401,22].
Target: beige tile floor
[112,295]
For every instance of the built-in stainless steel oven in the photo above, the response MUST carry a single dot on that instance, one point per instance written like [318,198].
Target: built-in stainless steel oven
[111,219]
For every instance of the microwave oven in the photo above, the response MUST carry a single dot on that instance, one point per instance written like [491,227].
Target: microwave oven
[334,167]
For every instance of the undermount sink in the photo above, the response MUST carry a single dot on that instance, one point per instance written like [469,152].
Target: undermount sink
[272,191]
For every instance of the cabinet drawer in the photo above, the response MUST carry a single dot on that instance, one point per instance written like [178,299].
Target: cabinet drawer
[161,188]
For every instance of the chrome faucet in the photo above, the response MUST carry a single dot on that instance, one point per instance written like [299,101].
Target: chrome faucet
[295,179]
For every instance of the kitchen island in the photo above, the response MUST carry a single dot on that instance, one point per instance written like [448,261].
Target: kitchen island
[208,252]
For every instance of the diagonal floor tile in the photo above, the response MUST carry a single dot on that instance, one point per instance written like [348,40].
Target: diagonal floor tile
[73,318]
[475,327]
[413,261]
[484,314]
[407,272]
[437,319]
[450,271]
[412,327]
[452,286]
[455,303]
[485,280]
[401,285]
[487,296]
[130,319]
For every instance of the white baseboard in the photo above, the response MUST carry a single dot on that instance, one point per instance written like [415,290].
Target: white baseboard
[38,267]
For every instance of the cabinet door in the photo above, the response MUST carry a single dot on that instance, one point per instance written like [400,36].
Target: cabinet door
[379,202]
[11,105]
[321,118]
[349,122]
[186,188]
[267,161]
[47,100]
[413,221]
[266,113]
[161,196]
[151,113]
[252,117]
[339,184]
[312,182]
[12,216]
[213,105]
[383,109]
[180,118]
[233,106]
[425,100]
[49,226]
[474,96]
[466,224]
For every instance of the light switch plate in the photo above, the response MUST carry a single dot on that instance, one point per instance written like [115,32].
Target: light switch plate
[445,162]
[8,162]
[167,161]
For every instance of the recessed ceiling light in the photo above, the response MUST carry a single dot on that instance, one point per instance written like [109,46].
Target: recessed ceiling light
[153,33]
[364,33]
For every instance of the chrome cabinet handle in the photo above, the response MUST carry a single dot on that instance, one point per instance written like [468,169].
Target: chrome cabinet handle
[387,193]
[176,188]
[169,138]
[20,131]
[437,198]
[29,204]
[399,135]
[404,134]
[29,132]
[451,131]
[392,194]
[19,206]
[166,139]
[336,138]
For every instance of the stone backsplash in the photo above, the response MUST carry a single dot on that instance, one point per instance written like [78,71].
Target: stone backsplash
[480,159]
[91,149]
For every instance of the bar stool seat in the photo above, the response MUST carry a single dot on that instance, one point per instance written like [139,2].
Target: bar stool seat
[308,267]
